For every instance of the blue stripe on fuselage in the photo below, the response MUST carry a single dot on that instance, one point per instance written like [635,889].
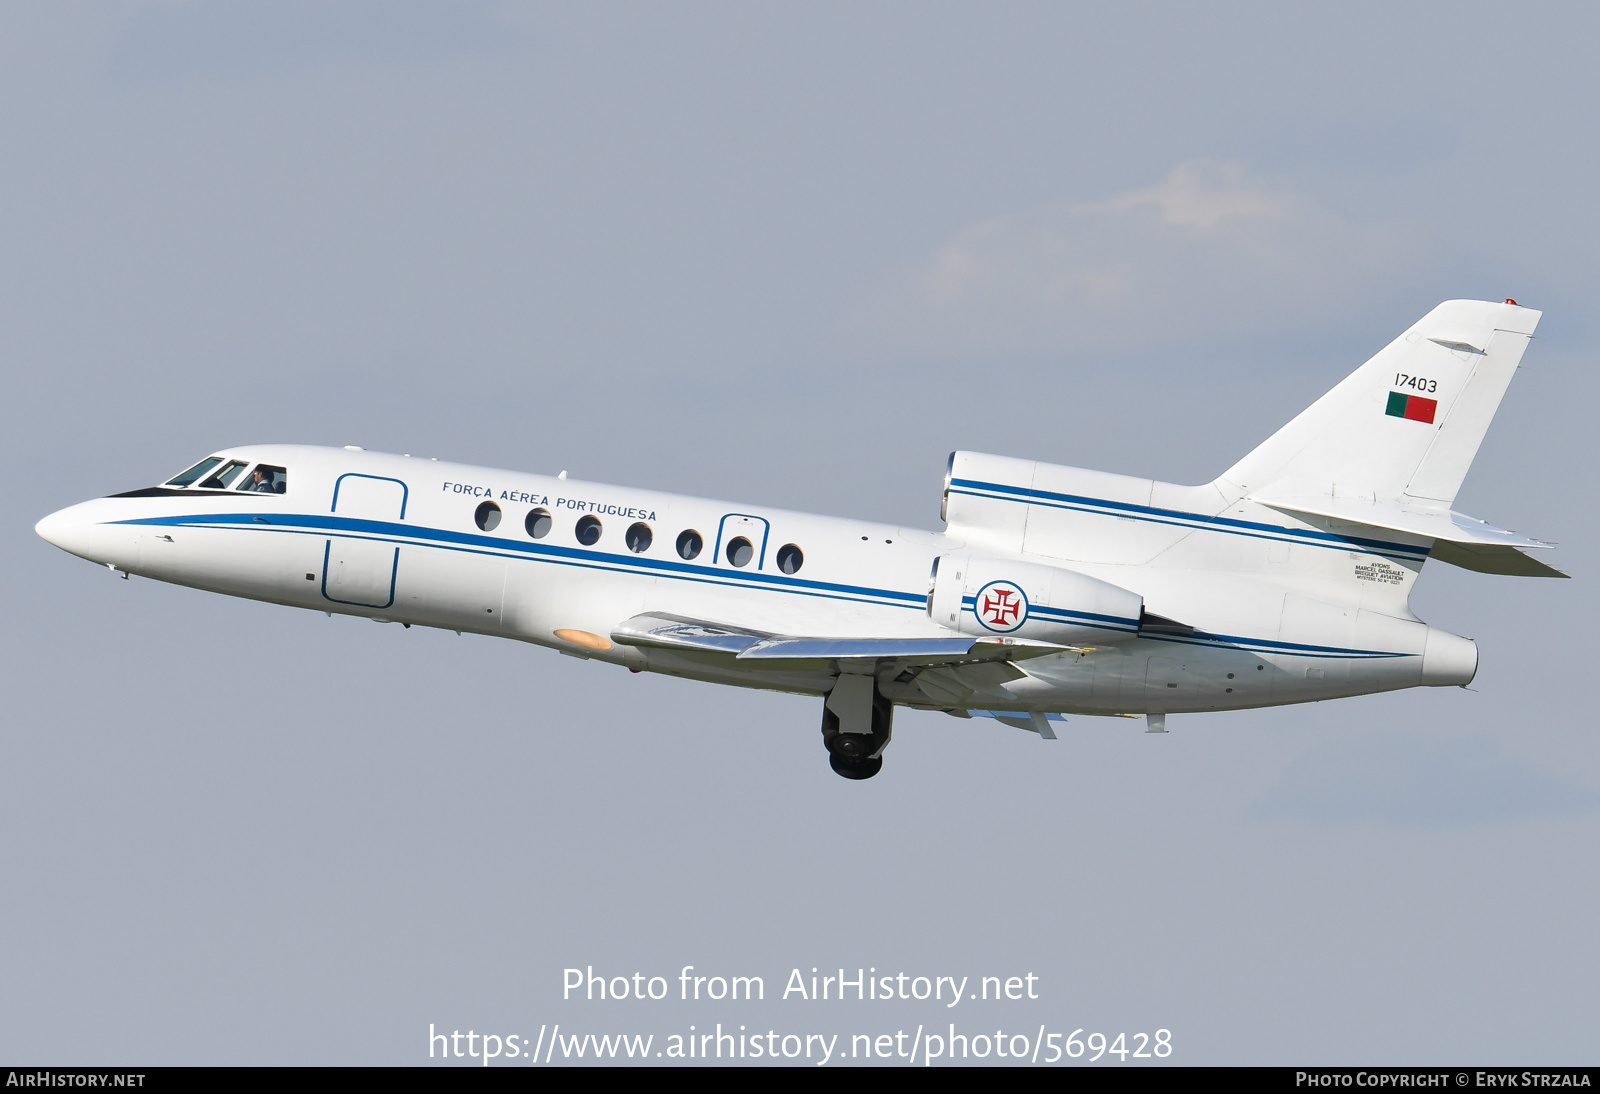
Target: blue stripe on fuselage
[1066,615]
[1199,638]
[419,535]
[1175,517]
[422,536]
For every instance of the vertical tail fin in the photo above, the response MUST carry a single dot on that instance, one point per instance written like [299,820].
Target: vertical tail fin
[1405,425]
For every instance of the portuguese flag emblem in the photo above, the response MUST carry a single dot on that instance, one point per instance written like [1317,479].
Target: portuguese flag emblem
[1414,407]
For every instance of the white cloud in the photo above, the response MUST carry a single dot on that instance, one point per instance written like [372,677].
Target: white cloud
[1174,261]
[1200,194]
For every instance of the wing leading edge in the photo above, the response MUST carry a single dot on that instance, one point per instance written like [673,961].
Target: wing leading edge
[672,632]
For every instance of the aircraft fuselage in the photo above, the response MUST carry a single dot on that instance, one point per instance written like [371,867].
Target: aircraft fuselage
[429,543]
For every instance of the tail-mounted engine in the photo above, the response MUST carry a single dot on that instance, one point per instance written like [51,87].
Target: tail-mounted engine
[996,596]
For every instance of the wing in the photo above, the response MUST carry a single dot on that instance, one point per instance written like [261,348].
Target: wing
[672,632]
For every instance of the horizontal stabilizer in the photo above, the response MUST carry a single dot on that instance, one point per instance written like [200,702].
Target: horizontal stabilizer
[1458,539]
[1491,559]
[1429,522]
[671,632]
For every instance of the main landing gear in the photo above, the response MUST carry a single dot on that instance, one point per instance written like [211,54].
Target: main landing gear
[856,726]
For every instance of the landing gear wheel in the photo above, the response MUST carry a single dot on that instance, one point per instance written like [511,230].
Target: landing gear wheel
[857,754]
[857,769]
[851,748]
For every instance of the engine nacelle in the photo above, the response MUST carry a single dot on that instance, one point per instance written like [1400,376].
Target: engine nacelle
[978,595]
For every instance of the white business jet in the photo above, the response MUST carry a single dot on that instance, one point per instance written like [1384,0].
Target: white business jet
[1051,590]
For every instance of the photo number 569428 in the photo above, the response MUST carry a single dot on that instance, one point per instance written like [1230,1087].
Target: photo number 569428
[1098,1046]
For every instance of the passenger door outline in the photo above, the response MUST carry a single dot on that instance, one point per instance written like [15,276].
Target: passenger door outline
[405,491]
[365,570]
[351,551]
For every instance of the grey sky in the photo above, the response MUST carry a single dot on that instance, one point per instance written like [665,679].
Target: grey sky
[793,255]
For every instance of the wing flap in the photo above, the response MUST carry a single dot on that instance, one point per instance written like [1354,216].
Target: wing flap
[942,688]
[1032,721]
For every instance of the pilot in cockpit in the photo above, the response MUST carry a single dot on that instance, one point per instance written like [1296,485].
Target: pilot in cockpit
[266,480]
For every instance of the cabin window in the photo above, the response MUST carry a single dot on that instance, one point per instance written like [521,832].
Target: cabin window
[740,552]
[225,476]
[195,472]
[487,516]
[265,480]
[538,523]
[638,538]
[690,543]
[790,559]
[588,531]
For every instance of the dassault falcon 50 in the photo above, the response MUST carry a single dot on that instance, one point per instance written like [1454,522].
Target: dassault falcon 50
[1052,590]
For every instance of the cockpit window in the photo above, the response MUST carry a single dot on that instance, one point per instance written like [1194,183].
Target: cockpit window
[224,478]
[265,479]
[195,472]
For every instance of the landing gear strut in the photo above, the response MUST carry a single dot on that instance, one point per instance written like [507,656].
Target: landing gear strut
[856,726]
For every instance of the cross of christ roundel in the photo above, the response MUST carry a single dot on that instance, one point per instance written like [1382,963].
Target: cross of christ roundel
[1001,606]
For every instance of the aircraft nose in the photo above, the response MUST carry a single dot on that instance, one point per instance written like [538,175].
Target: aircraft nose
[80,530]
[57,527]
